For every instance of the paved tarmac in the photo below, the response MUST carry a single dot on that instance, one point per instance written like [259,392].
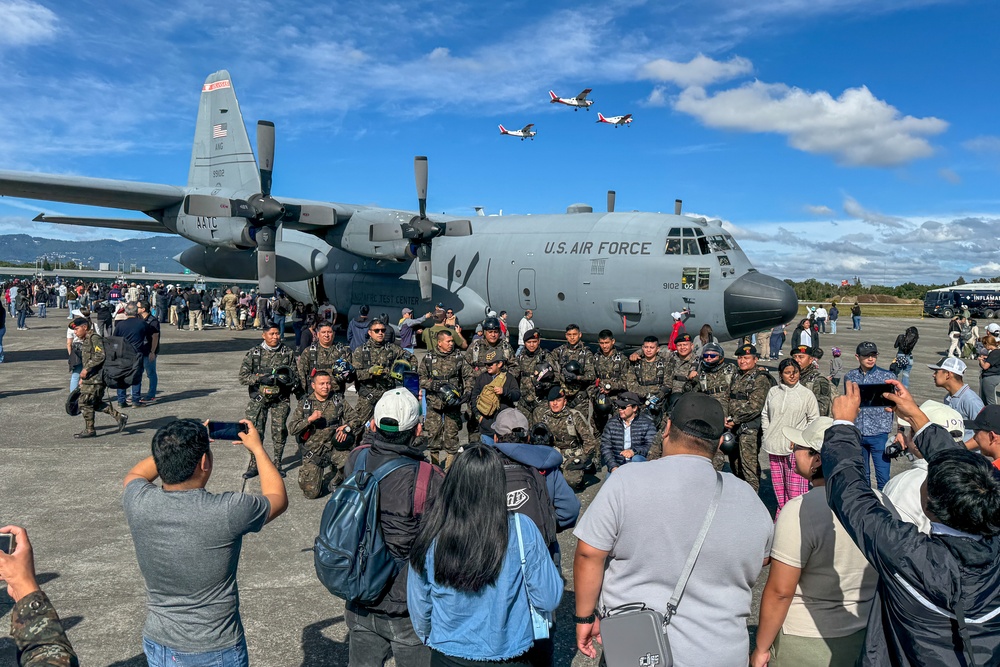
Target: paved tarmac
[67,493]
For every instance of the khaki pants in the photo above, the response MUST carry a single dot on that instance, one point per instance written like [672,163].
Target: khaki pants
[791,650]
[195,320]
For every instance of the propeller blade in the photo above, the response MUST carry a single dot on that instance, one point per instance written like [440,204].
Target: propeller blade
[611,201]
[384,232]
[456,228]
[265,154]
[267,260]
[420,172]
[424,272]
[207,206]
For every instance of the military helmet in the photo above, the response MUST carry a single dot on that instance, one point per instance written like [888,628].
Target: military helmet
[573,367]
[604,403]
[544,372]
[491,324]
[283,376]
[712,348]
[541,435]
[73,403]
[451,396]
[399,367]
[342,369]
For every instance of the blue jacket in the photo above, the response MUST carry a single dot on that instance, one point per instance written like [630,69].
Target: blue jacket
[357,332]
[643,432]
[493,624]
[547,460]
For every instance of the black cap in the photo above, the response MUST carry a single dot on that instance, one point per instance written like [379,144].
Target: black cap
[491,323]
[683,338]
[555,393]
[747,349]
[531,335]
[627,398]
[866,348]
[988,419]
[494,356]
[803,349]
[699,415]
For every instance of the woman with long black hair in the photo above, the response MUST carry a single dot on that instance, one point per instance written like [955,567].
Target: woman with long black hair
[467,591]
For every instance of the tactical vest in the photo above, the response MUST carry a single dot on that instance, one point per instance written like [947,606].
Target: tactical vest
[728,370]
[661,369]
[751,380]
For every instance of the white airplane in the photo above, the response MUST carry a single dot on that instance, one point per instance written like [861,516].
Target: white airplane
[615,120]
[575,102]
[525,132]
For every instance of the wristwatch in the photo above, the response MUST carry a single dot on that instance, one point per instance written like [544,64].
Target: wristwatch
[585,620]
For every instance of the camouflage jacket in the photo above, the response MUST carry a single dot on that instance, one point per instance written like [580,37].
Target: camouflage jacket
[821,387]
[317,357]
[649,377]
[230,301]
[93,355]
[613,369]
[580,353]
[437,368]
[569,427]
[336,413]
[524,367]
[717,382]
[478,349]
[747,394]
[38,634]
[678,370]
[370,356]
[259,363]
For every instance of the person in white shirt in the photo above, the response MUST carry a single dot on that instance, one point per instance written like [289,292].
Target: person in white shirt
[523,327]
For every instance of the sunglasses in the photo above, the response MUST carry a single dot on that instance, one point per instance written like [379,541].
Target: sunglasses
[378,330]
[709,356]
[451,312]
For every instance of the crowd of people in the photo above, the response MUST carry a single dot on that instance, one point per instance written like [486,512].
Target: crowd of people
[856,576]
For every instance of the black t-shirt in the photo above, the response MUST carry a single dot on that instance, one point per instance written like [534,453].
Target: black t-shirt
[134,330]
[153,327]
[993,359]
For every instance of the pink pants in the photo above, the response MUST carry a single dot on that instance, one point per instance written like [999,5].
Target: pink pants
[787,483]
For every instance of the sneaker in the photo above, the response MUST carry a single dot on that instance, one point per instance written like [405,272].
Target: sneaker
[148,401]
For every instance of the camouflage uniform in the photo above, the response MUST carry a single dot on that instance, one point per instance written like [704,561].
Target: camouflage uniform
[716,381]
[442,422]
[609,369]
[38,634]
[524,367]
[373,363]
[265,397]
[92,387]
[573,439]
[475,356]
[820,386]
[576,390]
[319,358]
[650,378]
[321,449]
[746,400]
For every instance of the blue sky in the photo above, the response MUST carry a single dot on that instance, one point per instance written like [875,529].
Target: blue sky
[839,138]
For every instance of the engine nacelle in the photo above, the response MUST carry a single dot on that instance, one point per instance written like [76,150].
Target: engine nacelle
[355,237]
[231,233]
[295,262]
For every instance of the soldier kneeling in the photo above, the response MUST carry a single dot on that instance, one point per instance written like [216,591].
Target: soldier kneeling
[324,425]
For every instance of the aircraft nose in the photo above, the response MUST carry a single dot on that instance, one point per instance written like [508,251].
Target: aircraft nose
[756,302]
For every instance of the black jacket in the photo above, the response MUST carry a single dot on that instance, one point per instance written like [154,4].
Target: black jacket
[643,432]
[399,526]
[922,578]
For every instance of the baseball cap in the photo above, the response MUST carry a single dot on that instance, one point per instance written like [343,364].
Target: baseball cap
[508,420]
[683,338]
[943,415]
[747,350]
[950,364]
[811,436]
[397,410]
[555,393]
[627,398]
[699,415]
[866,348]
[993,328]
[407,311]
[676,315]
[988,419]
[493,356]
[492,313]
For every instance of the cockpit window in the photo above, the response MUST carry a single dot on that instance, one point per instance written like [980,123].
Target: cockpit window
[718,243]
[690,244]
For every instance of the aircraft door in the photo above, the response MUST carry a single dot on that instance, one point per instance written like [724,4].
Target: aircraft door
[526,288]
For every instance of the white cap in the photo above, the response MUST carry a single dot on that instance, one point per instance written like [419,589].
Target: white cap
[676,315]
[993,327]
[492,313]
[944,416]
[400,406]
[811,436]
[951,364]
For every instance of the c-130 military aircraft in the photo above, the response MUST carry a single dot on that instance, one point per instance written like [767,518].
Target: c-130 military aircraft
[621,271]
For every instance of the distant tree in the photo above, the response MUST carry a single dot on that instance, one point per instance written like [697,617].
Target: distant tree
[960,281]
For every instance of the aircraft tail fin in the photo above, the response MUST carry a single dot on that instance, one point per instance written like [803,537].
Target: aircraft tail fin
[502,129]
[222,156]
[601,118]
[555,98]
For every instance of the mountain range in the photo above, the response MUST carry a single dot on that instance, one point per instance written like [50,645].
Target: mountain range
[156,253]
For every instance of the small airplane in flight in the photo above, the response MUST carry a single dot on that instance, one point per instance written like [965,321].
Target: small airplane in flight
[615,120]
[525,132]
[575,102]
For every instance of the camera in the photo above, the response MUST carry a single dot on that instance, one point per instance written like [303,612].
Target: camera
[894,449]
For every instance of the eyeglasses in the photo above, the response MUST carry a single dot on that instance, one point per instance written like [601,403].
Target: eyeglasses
[450,312]
[709,356]
[378,330]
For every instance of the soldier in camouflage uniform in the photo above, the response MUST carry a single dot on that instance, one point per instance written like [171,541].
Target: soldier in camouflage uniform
[573,437]
[715,377]
[681,367]
[268,394]
[373,362]
[649,380]
[613,375]
[325,426]
[813,380]
[524,365]
[444,365]
[476,355]
[746,400]
[322,355]
[575,384]
[91,381]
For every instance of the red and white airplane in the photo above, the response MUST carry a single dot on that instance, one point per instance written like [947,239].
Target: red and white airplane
[615,120]
[525,132]
[575,102]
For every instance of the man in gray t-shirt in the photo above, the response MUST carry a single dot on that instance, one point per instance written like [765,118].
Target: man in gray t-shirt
[187,543]
[642,525]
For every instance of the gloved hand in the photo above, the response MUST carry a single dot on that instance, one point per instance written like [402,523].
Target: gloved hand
[377,371]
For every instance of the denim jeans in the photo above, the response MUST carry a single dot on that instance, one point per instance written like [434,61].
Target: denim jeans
[875,446]
[22,318]
[74,376]
[904,375]
[279,321]
[41,309]
[135,390]
[158,655]
[857,321]
[833,326]
[72,304]
[3,330]
[372,635]
[149,368]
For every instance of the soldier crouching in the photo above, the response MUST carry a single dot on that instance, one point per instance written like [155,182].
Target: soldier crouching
[324,425]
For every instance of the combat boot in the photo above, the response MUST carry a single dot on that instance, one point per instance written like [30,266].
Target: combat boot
[251,471]
[122,420]
[277,464]
[88,430]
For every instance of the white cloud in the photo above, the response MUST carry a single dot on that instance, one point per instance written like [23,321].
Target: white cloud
[983,144]
[988,269]
[819,210]
[657,98]
[853,208]
[856,128]
[949,175]
[26,23]
[699,71]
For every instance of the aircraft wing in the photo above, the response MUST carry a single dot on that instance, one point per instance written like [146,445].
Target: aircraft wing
[582,96]
[527,128]
[627,116]
[128,195]
[109,223]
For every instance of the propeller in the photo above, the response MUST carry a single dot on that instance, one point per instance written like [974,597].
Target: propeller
[420,230]
[611,201]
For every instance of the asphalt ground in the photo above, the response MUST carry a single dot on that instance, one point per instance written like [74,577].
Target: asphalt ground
[67,493]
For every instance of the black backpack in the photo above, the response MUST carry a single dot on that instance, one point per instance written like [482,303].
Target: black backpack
[528,495]
[122,364]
